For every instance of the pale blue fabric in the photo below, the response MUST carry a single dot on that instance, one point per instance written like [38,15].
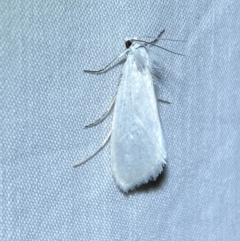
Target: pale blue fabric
[46,99]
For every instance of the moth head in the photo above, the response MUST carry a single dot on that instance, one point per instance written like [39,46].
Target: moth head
[129,42]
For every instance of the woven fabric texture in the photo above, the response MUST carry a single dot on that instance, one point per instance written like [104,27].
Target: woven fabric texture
[46,100]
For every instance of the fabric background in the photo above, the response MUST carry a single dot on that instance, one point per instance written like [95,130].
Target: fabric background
[46,99]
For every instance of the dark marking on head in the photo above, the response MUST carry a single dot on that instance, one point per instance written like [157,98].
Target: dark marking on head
[128,43]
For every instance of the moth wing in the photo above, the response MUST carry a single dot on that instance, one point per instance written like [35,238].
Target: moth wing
[137,143]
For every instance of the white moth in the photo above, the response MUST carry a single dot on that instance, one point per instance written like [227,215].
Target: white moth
[138,150]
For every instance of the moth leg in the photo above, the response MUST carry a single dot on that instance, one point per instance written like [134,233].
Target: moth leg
[158,37]
[95,153]
[105,68]
[153,43]
[104,115]
[164,101]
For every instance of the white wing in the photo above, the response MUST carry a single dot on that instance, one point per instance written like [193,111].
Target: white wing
[137,144]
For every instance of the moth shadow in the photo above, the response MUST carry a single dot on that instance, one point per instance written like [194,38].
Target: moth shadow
[152,185]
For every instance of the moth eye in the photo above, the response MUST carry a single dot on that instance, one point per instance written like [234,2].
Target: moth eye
[128,44]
